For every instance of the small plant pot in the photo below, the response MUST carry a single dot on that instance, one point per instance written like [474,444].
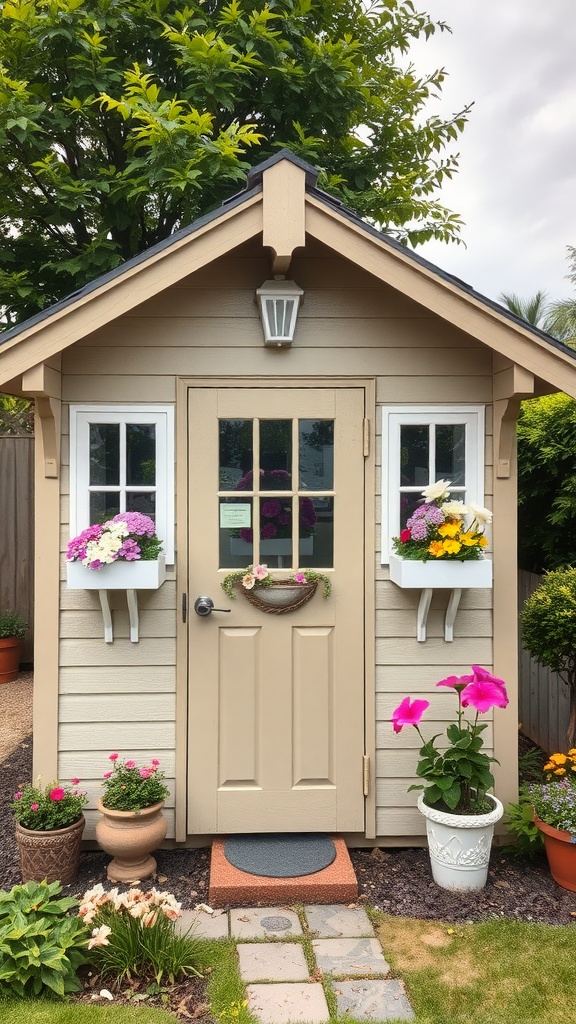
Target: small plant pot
[9,658]
[459,845]
[561,853]
[130,837]
[54,856]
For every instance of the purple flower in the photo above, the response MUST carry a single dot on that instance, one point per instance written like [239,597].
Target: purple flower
[246,534]
[129,550]
[138,524]
[268,531]
[285,519]
[418,530]
[271,509]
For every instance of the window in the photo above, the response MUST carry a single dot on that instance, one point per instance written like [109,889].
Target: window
[122,459]
[421,446]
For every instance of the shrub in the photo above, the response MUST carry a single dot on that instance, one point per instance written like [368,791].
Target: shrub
[12,625]
[41,946]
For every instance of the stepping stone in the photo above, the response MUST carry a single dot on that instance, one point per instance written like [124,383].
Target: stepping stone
[350,956]
[373,1000]
[264,923]
[203,925]
[331,922]
[288,1004]
[272,961]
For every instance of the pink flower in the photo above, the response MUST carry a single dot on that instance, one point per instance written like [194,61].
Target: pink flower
[456,682]
[483,674]
[155,761]
[483,694]
[57,793]
[145,773]
[130,764]
[34,807]
[408,713]
[299,577]
[113,757]
[260,572]
[107,775]
[18,795]
[405,535]
[74,782]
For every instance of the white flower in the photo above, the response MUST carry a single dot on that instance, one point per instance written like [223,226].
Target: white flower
[248,581]
[100,936]
[481,515]
[455,509]
[436,491]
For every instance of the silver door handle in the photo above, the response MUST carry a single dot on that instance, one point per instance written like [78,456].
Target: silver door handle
[205,606]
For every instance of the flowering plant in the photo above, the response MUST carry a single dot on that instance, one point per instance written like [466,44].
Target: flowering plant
[130,788]
[47,808]
[443,528]
[144,906]
[457,778]
[129,537]
[276,512]
[255,576]
[554,801]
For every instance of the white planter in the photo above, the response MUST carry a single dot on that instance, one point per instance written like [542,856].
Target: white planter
[434,574]
[459,845]
[119,575]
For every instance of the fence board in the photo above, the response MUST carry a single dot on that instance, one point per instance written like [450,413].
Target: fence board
[544,705]
[17,531]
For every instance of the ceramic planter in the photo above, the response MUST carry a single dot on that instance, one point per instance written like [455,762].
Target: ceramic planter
[130,836]
[459,845]
[561,853]
[9,658]
[54,855]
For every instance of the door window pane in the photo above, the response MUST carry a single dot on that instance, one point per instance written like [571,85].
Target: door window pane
[275,455]
[451,453]
[316,456]
[236,535]
[236,448]
[104,454]
[414,456]
[103,505]
[316,543]
[276,531]
[141,454]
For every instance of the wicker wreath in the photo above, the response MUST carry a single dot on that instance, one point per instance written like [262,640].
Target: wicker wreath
[280,597]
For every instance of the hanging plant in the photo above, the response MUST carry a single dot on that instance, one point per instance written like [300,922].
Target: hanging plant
[276,595]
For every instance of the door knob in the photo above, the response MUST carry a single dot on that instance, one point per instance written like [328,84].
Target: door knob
[205,606]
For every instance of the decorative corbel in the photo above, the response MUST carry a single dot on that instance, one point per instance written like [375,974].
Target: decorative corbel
[43,383]
[283,198]
[511,386]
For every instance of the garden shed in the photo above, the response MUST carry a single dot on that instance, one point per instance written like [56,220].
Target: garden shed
[158,389]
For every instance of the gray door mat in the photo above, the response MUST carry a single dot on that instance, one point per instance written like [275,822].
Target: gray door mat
[280,855]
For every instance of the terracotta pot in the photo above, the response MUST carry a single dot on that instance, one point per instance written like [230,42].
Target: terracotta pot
[561,853]
[459,845]
[9,658]
[130,836]
[54,855]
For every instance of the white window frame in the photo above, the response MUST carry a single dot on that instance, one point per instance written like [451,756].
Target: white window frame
[396,416]
[162,416]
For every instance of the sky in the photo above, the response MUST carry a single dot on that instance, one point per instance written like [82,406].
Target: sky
[516,186]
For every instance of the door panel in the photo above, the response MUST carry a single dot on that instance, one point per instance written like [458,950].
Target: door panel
[276,701]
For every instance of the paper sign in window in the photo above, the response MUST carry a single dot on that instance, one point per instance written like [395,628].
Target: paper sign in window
[232,517]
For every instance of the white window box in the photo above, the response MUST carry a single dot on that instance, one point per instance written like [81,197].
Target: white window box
[120,575]
[439,575]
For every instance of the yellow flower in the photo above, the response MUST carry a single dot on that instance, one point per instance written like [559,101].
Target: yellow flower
[558,758]
[436,548]
[452,547]
[572,752]
[482,542]
[449,529]
[469,539]
[559,771]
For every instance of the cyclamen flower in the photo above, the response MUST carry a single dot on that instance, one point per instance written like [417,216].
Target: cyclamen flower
[57,793]
[408,713]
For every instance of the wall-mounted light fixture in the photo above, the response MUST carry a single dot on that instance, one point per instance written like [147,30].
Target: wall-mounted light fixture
[279,302]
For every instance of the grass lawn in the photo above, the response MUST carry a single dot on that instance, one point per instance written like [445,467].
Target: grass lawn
[32,1011]
[497,972]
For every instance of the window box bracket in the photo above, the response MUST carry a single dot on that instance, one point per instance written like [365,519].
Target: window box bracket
[448,575]
[128,576]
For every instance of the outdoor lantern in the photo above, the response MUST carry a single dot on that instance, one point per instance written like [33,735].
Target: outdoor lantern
[279,301]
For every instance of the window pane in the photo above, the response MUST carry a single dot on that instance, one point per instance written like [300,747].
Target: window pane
[142,501]
[235,526]
[141,454]
[103,505]
[451,453]
[414,456]
[316,458]
[276,531]
[316,544]
[275,455]
[235,440]
[104,454]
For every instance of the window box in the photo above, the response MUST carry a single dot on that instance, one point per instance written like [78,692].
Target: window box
[120,575]
[409,573]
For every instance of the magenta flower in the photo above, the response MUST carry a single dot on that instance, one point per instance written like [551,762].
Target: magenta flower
[145,773]
[130,764]
[155,761]
[57,793]
[113,757]
[408,713]
[268,531]
[107,775]
[483,694]
[299,577]
[456,682]
[74,782]
[271,508]
[18,795]
[34,807]
[486,676]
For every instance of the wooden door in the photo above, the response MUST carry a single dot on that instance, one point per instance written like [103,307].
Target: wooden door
[276,702]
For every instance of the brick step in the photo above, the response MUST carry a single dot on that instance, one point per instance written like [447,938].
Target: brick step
[229,886]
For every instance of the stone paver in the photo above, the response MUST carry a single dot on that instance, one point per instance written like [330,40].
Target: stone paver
[331,922]
[203,925]
[350,956]
[263,923]
[288,1004]
[272,961]
[373,1000]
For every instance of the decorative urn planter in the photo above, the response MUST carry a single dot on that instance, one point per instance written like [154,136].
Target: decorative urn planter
[54,856]
[9,658]
[130,837]
[560,849]
[459,845]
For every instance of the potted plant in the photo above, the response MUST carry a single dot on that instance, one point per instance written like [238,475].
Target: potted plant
[460,812]
[132,823]
[442,543]
[554,807]
[549,631]
[276,595]
[49,827]
[12,628]
[122,553]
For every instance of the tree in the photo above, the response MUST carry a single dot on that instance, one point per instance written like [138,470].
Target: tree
[16,415]
[123,120]
[534,310]
[562,313]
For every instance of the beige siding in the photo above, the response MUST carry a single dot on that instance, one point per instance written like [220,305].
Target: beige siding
[121,696]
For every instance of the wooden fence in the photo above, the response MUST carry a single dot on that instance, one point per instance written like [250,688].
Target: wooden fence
[17,531]
[544,703]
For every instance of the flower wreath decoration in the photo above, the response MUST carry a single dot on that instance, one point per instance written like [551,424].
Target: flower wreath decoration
[276,594]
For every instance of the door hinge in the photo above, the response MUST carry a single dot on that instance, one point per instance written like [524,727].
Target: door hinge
[184,607]
[366,774]
[366,436]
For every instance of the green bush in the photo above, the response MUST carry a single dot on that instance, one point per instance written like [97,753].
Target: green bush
[41,947]
[521,824]
[12,625]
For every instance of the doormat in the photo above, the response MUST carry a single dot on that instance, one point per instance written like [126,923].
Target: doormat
[280,856]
